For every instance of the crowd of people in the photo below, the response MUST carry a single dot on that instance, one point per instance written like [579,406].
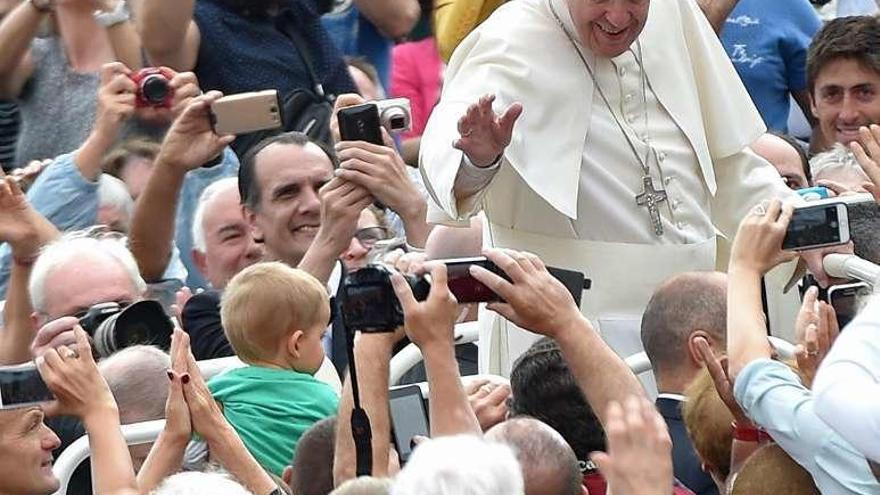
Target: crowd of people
[247,296]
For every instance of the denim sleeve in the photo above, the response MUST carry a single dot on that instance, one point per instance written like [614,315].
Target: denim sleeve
[64,197]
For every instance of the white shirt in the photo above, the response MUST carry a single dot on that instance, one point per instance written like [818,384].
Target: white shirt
[847,387]
[611,176]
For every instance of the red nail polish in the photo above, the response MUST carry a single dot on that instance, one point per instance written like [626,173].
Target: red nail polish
[185,378]
[170,375]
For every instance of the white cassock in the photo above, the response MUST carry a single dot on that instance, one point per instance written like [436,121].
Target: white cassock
[566,187]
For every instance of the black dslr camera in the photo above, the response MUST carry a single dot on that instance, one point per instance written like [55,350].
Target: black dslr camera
[369,303]
[113,327]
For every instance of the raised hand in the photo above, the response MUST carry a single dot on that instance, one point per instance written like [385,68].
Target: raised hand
[381,171]
[177,418]
[867,152]
[758,243]
[341,206]
[71,374]
[717,368]
[116,100]
[535,300]
[816,329]
[639,457]
[54,334]
[485,135]
[204,412]
[431,322]
[20,225]
[191,141]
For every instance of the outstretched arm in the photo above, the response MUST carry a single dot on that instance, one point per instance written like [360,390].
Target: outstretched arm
[168,33]
[539,303]
[394,18]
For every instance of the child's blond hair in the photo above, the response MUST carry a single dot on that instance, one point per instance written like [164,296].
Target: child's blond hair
[265,303]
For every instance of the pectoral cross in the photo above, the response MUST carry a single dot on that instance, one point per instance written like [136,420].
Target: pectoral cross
[651,199]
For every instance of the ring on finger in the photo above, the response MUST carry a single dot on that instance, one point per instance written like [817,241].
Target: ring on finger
[70,353]
[467,133]
[759,210]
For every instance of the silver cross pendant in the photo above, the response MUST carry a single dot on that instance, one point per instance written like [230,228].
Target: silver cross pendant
[651,199]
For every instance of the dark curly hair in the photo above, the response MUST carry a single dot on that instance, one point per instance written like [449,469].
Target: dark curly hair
[544,388]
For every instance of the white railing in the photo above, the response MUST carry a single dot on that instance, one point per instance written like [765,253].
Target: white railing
[410,355]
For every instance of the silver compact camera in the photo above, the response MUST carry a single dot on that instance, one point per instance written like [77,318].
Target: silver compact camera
[395,114]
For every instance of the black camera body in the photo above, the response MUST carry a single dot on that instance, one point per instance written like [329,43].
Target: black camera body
[113,327]
[369,303]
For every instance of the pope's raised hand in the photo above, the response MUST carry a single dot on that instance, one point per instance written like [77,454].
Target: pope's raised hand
[485,135]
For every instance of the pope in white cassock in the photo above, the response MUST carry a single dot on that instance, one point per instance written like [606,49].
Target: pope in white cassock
[621,150]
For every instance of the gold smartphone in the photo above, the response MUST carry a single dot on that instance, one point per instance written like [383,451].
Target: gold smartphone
[246,112]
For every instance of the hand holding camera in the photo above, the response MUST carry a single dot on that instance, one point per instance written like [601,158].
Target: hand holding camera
[484,135]
[534,298]
[430,323]
[191,141]
[71,374]
[116,100]
[341,206]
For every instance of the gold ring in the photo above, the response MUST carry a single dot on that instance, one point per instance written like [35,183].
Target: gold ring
[71,354]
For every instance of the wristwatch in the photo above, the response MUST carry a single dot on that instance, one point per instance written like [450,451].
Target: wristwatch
[118,15]
[43,6]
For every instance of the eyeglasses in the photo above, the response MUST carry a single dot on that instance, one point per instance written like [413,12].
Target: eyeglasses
[369,236]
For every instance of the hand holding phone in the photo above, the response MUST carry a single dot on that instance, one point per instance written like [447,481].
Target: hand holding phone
[360,123]
[409,418]
[246,112]
[814,226]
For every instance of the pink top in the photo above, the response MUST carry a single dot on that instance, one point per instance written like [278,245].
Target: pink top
[417,74]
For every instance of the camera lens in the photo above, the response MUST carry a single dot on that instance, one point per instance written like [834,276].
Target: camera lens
[154,89]
[104,336]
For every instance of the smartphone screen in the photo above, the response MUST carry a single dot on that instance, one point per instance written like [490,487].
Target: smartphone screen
[360,123]
[846,300]
[815,226]
[408,418]
[22,386]
[466,288]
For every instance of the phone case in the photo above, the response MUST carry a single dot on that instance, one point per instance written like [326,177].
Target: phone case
[246,112]
[360,123]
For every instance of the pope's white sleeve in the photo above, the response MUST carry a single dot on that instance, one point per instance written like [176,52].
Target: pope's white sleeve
[847,387]
[744,180]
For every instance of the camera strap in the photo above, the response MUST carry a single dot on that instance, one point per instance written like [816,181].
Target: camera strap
[361,429]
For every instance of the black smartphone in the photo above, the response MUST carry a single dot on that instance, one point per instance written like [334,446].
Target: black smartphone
[22,386]
[409,418]
[846,300]
[814,226]
[360,123]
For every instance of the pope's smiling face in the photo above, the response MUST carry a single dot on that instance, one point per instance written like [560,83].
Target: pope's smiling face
[609,27]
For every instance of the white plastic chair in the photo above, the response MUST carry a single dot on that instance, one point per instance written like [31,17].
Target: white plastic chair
[410,355]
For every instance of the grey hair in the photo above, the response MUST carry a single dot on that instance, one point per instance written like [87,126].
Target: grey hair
[460,465]
[544,456]
[365,485]
[197,483]
[198,229]
[112,193]
[71,247]
[136,377]
[838,159]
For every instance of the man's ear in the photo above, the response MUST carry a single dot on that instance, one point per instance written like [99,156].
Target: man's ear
[200,260]
[293,342]
[693,353]
[251,217]
[287,475]
[812,103]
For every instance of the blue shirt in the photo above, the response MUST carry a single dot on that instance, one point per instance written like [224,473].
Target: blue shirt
[767,41]
[356,36]
[772,395]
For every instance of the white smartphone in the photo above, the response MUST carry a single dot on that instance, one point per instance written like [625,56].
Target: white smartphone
[817,225]
[22,386]
[246,112]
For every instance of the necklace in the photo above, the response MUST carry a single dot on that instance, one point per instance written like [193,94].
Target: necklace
[650,197]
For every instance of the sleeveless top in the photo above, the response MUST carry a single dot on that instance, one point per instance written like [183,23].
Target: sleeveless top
[243,51]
